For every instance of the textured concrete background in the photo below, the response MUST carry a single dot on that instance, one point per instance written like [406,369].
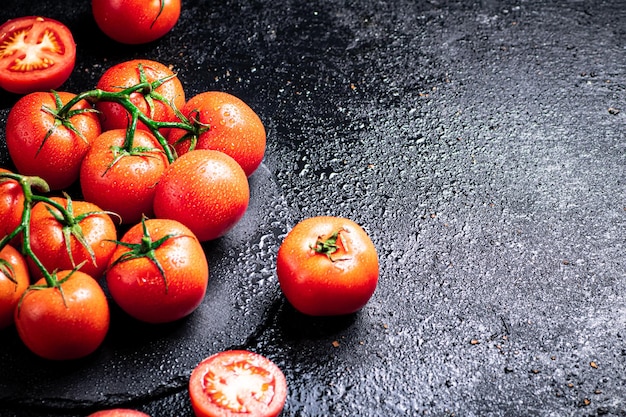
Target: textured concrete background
[481,144]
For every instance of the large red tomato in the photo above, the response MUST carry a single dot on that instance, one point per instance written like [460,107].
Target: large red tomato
[233,128]
[68,321]
[327,266]
[237,383]
[36,54]
[14,280]
[205,190]
[159,272]
[39,145]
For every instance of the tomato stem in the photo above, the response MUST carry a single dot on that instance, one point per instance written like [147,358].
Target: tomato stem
[327,246]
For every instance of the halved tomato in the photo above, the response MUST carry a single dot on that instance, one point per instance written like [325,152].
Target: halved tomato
[36,54]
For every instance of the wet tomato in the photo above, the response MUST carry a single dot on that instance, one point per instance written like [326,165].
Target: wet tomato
[14,280]
[135,21]
[118,412]
[237,383]
[11,205]
[68,321]
[41,144]
[36,54]
[205,190]
[233,128]
[327,266]
[159,272]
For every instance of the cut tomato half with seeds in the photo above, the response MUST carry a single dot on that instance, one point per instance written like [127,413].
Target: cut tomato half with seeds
[36,54]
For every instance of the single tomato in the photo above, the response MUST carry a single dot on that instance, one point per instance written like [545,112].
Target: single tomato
[327,266]
[237,383]
[67,321]
[14,280]
[119,180]
[135,21]
[43,143]
[230,126]
[36,54]
[11,204]
[86,234]
[118,412]
[157,103]
[159,271]
[205,190]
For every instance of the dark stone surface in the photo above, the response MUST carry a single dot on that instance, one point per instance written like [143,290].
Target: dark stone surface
[481,144]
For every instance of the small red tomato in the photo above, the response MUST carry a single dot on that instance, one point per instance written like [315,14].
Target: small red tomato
[237,383]
[41,146]
[118,412]
[233,128]
[11,205]
[65,322]
[159,272]
[120,181]
[327,266]
[135,21]
[36,54]
[14,280]
[205,190]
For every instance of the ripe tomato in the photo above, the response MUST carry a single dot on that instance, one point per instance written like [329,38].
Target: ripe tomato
[40,146]
[327,266]
[135,21]
[36,54]
[234,128]
[11,205]
[159,272]
[237,383]
[65,322]
[157,104]
[205,190]
[119,181]
[51,235]
[14,280]
[118,412]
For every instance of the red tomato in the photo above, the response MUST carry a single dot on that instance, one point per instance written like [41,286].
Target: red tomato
[118,412]
[205,190]
[160,281]
[55,158]
[11,205]
[36,54]
[237,383]
[123,182]
[327,266]
[48,237]
[65,322]
[157,104]
[234,128]
[135,21]
[14,280]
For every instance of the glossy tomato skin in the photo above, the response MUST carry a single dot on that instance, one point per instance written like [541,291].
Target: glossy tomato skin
[11,205]
[237,383]
[235,128]
[118,412]
[57,159]
[137,285]
[67,324]
[205,190]
[51,58]
[48,242]
[135,21]
[127,74]
[127,186]
[10,291]
[318,286]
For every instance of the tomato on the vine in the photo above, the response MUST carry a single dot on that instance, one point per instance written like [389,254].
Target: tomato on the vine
[67,321]
[120,181]
[232,127]
[88,235]
[205,190]
[36,54]
[135,21]
[159,271]
[11,205]
[118,412]
[237,383]
[327,266]
[14,280]
[158,103]
[41,144]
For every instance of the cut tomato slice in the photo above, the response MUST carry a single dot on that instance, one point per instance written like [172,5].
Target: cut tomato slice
[237,383]
[36,54]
